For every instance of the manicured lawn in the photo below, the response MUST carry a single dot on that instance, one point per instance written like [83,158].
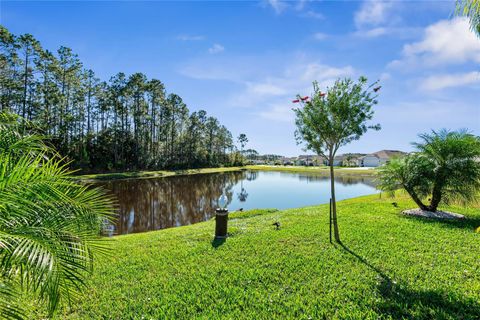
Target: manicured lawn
[390,266]
[317,170]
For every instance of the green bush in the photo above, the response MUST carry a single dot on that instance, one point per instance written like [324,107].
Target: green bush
[446,168]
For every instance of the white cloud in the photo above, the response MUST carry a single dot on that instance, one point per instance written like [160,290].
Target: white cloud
[322,73]
[234,69]
[440,82]
[426,114]
[186,37]
[444,43]
[271,96]
[277,5]
[320,36]
[372,13]
[216,48]
[377,18]
[385,76]
[371,33]
[314,14]
[300,6]
[294,79]
[268,89]
[398,32]
[266,84]
[279,113]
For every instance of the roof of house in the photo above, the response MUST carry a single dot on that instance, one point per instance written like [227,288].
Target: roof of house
[309,156]
[353,156]
[387,154]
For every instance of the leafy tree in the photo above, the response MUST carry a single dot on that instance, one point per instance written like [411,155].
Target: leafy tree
[446,168]
[49,224]
[30,49]
[333,119]
[471,10]
[243,140]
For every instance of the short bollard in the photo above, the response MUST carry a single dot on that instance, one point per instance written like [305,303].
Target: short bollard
[221,222]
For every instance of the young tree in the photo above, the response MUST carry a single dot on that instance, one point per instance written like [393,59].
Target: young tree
[327,121]
[445,168]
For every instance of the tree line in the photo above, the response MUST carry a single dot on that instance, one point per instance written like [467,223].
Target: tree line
[126,123]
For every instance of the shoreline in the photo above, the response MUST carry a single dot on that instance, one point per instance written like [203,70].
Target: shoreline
[151,174]
[359,172]
[323,170]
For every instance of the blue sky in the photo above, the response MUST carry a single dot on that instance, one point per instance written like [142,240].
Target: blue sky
[244,61]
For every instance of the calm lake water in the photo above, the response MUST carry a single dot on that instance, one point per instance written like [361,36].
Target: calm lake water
[152,204]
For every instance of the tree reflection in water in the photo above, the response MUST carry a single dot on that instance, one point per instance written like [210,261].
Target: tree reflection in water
[152,204]
[343,180]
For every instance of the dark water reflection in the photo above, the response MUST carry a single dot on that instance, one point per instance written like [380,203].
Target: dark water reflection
[152,204]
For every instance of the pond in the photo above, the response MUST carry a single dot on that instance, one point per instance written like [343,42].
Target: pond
[153,204]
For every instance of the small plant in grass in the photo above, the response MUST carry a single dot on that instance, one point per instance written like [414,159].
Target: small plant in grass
[446,168]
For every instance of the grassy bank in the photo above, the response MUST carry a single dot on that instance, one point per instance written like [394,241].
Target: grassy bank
[166,173]
[390,267]
[323,170]
[152,174]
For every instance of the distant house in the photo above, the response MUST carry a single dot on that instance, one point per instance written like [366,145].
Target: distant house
[337,161]
[369,160]
[258,162]
[379,158]
[346,160]
[310,160]
[352,159]
[286,161]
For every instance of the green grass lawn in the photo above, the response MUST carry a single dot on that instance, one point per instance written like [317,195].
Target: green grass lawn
[390,267]
[324,170]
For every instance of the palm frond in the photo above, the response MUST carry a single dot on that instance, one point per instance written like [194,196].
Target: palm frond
[471,10]
[49,224]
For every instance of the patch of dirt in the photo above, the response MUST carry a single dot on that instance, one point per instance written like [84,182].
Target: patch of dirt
[433,215]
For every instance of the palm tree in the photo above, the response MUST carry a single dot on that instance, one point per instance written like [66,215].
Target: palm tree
[49,224]
[471,10]
[446,168]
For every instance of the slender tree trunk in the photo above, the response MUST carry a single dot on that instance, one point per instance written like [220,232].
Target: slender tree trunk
[172,127]
[25,84]
[152,129]
[334,203]
[436,196]
[89,104]
[416,199]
